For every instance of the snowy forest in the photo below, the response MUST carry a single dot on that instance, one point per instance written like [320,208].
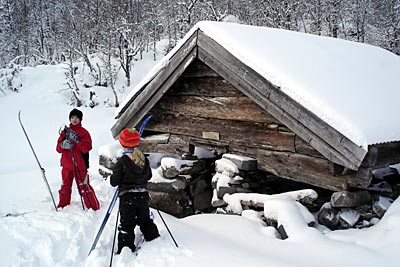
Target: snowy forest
[37,32]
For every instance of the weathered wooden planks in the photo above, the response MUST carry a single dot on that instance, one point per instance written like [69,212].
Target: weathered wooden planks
[204,86]
[384,154]
[238,132]
[153,91]
[199,69]
[324,138]
[239,108]
[247,113]
[293,166]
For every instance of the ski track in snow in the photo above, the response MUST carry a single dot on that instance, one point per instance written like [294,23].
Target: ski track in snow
[64,238]
[58,236]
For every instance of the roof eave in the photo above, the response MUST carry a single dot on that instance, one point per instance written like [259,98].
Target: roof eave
[140,104]
[325,139]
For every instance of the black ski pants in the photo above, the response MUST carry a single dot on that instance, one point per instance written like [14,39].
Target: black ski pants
[134,210]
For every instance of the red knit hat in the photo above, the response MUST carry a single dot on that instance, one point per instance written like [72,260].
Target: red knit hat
[129,138]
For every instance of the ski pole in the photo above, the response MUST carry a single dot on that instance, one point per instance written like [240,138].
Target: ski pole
[166,226]
[37,160]
[113,244]
[103,224]
[144,123]
[114,198]
[77,173]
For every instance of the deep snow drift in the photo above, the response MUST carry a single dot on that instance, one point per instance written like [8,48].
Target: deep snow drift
[35,235]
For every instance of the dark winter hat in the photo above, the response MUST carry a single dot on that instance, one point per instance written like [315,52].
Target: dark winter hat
[76,112]
[129,138]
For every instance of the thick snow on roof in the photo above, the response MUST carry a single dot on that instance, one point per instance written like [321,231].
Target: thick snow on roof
[353,87]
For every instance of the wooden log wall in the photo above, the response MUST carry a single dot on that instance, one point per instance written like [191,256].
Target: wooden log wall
[201,102]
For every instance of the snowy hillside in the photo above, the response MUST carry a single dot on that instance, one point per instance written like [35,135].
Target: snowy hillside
[33,234]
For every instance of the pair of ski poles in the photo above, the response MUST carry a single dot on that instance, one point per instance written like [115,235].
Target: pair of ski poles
[111,206]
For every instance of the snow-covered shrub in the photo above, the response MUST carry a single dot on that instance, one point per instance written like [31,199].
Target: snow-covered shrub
[9,79]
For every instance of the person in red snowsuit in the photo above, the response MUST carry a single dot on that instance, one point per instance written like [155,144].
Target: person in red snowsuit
[74,144]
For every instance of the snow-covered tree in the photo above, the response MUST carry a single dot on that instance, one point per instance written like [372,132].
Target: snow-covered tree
[42,31]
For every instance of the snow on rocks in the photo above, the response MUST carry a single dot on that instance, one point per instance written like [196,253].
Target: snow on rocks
[226,166]
[346,199]
[291,217]
[236,201]
[280,210]
[233,175]
[242,162]
[328,216]
[173,167]
[188,184]
[179,186]
[353,209]
[349,218]
[381,205]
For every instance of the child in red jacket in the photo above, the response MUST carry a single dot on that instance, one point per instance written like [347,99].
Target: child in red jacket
[74,145]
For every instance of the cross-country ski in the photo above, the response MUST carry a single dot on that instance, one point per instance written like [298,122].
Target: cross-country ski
[42,170]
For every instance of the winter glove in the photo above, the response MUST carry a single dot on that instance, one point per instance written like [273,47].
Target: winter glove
[71,135]
[67,144]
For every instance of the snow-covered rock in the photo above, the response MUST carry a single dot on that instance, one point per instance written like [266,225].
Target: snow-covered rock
[346,199]
[381,205]
[242,162]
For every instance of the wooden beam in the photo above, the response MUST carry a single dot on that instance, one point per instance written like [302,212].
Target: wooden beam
[231,132]
[276,111]
[225,108]
[319,172]
[302,147]
[204,86]
[157,87]
[382,155]
[329,142]
[141,111]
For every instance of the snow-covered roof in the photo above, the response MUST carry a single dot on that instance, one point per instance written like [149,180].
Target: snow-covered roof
[352,87]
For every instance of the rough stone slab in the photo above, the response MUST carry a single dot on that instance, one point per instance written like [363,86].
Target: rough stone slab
[179,184]
[242,162]
[282,232]
[346,199]
[222,190]
[328,216]
[236,180]
[215,201]
[381,205]
[155,158]
[176,204]
[202,201]
[197,186]
[348,218]
[172,167]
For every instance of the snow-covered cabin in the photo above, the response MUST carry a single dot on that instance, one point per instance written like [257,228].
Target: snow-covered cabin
[309,108]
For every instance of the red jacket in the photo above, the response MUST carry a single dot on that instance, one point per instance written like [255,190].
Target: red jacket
[84,146]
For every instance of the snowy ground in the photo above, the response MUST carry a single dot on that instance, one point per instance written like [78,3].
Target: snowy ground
[35,235]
